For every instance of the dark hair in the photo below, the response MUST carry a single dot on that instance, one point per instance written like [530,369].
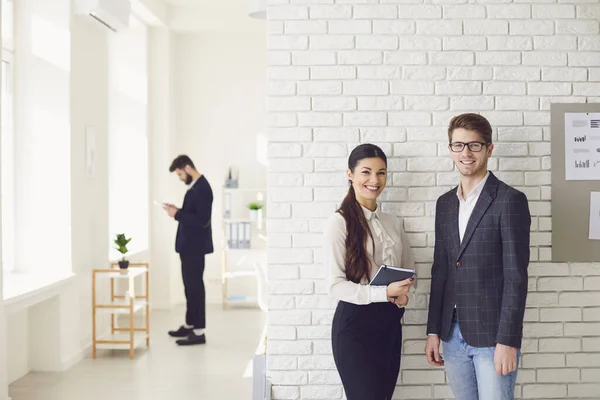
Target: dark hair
[180,163]
[472,122]
[357,260]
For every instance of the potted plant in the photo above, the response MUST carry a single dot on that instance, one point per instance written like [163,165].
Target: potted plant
[121,241]
[255,211]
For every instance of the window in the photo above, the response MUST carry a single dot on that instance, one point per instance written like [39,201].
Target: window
[7,139]
[7,23]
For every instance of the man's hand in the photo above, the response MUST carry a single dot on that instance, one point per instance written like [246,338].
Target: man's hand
[170,209]
[432,350]
[505,359]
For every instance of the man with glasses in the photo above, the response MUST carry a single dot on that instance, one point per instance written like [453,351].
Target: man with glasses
[479,272]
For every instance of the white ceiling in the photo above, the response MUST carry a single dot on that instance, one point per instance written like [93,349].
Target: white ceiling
[224,16]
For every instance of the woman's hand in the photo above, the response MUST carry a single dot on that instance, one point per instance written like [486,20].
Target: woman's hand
[396,289]
[397,292]
[400,301]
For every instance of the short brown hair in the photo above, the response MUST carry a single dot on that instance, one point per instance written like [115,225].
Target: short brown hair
[180,163]
[471,122]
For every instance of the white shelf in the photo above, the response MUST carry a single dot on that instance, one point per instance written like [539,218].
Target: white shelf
[131,272]
[243,262]
[238,220]
[137,306]
[246,249]
[242,299]
[238,274]
[139,340]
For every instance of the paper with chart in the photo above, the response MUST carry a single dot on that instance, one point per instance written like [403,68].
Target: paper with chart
[595,216]
[582,146]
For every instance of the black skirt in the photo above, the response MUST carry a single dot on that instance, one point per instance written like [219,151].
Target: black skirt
[367,345]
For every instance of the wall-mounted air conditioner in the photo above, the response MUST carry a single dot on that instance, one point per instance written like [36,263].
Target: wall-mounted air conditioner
[114,14]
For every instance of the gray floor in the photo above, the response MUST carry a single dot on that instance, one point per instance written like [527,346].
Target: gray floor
[165,371]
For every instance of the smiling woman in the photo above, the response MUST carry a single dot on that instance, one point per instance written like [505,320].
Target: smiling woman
[359,237]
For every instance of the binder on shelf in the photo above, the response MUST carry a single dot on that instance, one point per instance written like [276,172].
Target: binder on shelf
[227,208]
[234,237]
[229,233]
[240,230]
[247,234]
[239,235]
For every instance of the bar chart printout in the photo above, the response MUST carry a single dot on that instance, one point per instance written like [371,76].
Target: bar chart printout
[582,146]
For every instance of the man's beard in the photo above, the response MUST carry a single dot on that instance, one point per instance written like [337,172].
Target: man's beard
[188,179]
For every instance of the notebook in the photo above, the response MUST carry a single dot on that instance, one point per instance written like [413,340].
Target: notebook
[388,274]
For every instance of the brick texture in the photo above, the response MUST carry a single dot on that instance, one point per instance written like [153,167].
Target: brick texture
[393,73]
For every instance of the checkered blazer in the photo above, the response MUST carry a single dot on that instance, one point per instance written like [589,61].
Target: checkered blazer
[486,274]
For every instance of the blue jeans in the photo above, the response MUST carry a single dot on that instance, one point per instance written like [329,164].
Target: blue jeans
[471,371]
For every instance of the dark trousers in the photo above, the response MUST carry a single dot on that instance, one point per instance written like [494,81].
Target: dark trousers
[192,271]
[367,345]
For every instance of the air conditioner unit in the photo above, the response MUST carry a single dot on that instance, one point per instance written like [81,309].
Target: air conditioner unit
[114,14]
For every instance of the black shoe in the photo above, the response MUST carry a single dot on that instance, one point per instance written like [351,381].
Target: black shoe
[191,339]
[181,332]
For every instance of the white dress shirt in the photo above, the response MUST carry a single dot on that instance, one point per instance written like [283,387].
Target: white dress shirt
[467,205]
[193,183]
[391,248]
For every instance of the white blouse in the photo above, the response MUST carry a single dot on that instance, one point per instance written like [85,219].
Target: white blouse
[391,248]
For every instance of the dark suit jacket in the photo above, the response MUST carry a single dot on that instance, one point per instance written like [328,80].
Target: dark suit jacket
[194,233]
[486,274]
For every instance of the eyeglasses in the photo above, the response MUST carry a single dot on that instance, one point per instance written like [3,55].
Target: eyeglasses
[475,147]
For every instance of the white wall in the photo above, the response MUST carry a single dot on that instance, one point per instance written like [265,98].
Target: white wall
[353,71]
[166,276]
[89,107]
[128,138]
[220,90]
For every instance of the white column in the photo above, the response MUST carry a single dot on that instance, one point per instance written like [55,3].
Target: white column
[160,147]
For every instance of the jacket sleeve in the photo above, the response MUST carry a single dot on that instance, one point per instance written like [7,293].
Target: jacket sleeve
[439,275]
[198,216]
[339,286]
[515,224]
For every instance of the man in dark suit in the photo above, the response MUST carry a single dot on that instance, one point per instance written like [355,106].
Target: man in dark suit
[193,242]
[479,273]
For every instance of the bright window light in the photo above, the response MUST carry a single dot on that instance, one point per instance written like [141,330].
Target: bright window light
[51,43]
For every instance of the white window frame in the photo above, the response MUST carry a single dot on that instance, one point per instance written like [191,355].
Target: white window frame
[8,43]
[8,248]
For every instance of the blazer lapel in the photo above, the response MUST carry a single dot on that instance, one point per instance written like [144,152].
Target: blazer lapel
[454,233]
[487,196]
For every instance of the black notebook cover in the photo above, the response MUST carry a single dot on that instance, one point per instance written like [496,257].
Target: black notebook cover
[388,274]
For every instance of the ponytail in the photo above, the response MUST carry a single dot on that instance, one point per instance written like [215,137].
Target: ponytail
[356,260]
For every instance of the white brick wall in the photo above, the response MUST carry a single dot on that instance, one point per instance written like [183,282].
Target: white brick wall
[393,72]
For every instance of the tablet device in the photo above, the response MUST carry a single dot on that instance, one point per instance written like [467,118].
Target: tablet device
[388,274]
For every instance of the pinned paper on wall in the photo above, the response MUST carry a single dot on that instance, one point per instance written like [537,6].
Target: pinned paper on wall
[582,146]
[595,216]
[90,150]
